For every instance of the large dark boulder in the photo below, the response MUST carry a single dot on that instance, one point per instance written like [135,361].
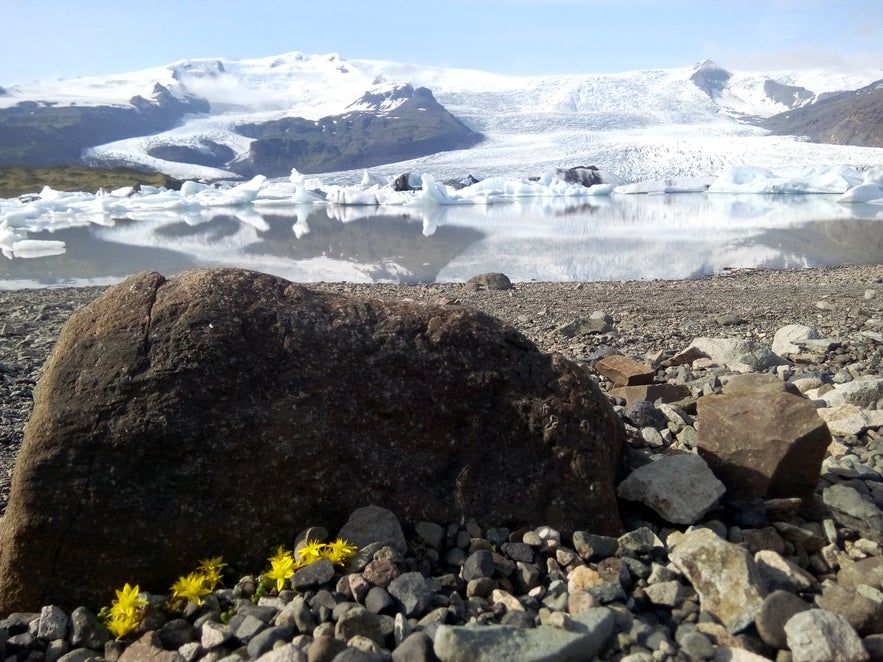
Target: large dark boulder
[222,411]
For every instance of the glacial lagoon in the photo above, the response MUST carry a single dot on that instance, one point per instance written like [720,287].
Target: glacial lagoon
[589,238]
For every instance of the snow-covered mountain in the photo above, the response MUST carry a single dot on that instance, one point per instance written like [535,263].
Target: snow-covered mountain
[214,118]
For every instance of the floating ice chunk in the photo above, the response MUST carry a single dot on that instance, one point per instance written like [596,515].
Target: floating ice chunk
[191,188]
[600,189]
[26,248]
[819,179]
[343,195]
[368,180]
[862,193]
[670,185]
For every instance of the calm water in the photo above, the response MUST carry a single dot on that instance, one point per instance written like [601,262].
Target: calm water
[619,238]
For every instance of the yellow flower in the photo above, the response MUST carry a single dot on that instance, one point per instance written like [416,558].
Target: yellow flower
[126,611]
[210,569]
[122,624]
[282,566]
[339,551]
[310,552]
[127,600]
[192,587]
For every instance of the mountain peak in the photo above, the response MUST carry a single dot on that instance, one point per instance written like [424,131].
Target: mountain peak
[710,77]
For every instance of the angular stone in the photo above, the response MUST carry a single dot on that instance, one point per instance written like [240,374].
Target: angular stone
[412,592]
[757,382]
[723,574]
[780,573]
[817,634]
[845,420]
[623,371]
[788,338]
[764,445]
[651,393]
[359,621]
[863,392]
[314,574]
[492,281]
[679,487]
[591,631]
[776,610]
[865,571]
[53,623]
[148,649]
[167,400]
[864,614]
[852,511]
[584,326]
[738,354]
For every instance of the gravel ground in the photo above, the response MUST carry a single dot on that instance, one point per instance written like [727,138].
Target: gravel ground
[649,317]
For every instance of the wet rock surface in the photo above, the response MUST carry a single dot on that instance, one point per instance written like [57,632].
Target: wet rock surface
[813,567]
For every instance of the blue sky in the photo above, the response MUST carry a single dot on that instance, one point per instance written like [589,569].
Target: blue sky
[67,39]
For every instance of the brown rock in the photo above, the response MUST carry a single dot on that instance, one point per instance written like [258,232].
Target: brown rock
[148,649]
[764,445]
[651,393]
[864,614]
[623,371]
[228,394]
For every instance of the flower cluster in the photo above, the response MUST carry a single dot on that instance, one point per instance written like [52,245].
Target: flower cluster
[283,563]
[199,583]
[125,612]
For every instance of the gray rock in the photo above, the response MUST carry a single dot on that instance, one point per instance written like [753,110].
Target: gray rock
[359,621]
[849,509]
[247,627]
[737,354]
[492,281]
[864,614]
[584,326]
[776,610]
[592,547]
[285,653]
[371,524]
[478,565]
[177,632]
[866,571]
[591,631]
[780,573]
[665,594]
[862,392]
[679,487]
[416,647]
[314,574]
[87,631]
[379,601]
[845,420]
[53,624]
[412,591]
[430,533]
[214,634]
[723,574]
[787,338]
[264,641]
[815,635]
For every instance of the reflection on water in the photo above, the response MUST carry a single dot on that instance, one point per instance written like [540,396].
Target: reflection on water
[623,237]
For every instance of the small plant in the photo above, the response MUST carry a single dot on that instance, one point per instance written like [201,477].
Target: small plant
[191,588]
[283,563]
[125,612]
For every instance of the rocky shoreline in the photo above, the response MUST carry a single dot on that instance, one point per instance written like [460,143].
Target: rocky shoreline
[640,605]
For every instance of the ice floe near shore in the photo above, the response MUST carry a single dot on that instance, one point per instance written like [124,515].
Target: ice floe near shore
[51,210]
